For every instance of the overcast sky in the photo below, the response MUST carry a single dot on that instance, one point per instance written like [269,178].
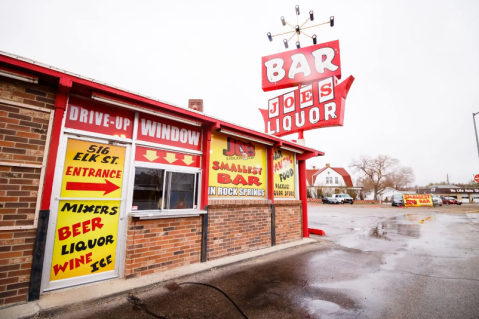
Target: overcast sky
[416,65]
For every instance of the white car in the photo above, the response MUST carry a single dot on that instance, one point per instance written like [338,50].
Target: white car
[436,201]
[344,198]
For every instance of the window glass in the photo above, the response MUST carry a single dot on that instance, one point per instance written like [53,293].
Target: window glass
[181,190]
[148,189]
[336,179]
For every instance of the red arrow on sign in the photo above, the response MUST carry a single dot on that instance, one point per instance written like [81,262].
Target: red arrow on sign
[476,178]
[108,187]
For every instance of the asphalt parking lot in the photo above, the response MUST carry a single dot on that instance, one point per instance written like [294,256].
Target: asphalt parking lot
[375,262]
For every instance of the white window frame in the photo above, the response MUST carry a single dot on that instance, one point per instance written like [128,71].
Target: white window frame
[166,213]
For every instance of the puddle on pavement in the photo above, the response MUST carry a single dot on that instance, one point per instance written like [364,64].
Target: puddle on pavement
[324,306]
[408,225]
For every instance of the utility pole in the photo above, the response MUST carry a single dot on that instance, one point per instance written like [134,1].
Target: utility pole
[447,177]
[475,129]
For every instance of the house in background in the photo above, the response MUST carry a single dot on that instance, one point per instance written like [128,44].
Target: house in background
[329,180]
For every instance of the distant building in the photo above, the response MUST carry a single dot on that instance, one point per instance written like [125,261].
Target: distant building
[329,180]
[464,194]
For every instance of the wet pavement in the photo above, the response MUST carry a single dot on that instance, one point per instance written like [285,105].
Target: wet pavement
[374,263]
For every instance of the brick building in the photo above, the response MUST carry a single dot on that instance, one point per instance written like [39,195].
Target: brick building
[100,183]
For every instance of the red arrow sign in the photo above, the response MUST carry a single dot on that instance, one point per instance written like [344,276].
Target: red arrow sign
[108,187]
[476,178]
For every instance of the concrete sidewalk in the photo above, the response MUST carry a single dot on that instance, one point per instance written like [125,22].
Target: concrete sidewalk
[104,289]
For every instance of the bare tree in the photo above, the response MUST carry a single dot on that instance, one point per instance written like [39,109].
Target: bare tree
[375,170]
[400,178]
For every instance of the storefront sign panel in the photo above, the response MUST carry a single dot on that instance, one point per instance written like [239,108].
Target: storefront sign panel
[168,132]
[321,104]
[237,168]
[150,155]
[301,66]
[92,170]
[85,238]
[95,117]
[284,174]
[417,200]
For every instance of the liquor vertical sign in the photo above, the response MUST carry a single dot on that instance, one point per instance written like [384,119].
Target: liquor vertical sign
[87,229]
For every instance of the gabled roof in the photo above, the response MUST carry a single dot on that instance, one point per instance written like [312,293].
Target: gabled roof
[309,176]
[341,171]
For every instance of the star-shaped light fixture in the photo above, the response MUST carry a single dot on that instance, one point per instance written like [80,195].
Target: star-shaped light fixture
[298,30]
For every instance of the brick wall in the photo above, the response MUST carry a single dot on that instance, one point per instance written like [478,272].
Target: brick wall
[23,135]
[237,226]
[18,195]
[288,221]
[15,262]
[160,244]
[28,93]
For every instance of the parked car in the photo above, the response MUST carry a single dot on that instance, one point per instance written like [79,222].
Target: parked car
[330,200]
[436,201]
[451,201]
[344,198]
[397,200]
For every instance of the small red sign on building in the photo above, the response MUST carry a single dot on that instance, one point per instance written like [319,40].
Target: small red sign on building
[144,154]
[168,132]
[87,115]
[302,66]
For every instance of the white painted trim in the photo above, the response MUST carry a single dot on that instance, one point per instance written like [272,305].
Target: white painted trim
[171,213]
[246,137]
[96,135]
[27,106]
[20,165]
[171,168]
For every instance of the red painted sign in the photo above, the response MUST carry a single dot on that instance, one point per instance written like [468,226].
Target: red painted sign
[476,178]
[150,155]
[87,115]
[320,104]
[168,132]
[302,66]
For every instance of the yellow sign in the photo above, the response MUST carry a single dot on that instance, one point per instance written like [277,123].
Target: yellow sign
[86,231]
[284,178]
[237,168]
[92,170]
[85,238]
[417,200]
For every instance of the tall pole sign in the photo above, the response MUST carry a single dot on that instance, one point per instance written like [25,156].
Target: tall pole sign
[319,100]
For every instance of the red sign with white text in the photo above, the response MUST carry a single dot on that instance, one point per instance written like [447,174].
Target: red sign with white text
[168,132]
[91,116]
[301,66]
[476,178]
[320,104]
[151,155]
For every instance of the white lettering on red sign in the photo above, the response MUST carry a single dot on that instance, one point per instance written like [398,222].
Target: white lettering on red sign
[92,116]
[312,106]
[169,132]
[302,66]
[97,118]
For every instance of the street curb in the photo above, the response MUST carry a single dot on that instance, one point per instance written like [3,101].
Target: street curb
[97,291]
